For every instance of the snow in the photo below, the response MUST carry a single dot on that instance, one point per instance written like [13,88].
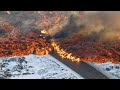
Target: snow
[35,67]
[109,69]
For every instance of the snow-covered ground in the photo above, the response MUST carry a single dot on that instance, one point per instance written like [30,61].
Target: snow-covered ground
[47,67]
[35,67]
[109,69]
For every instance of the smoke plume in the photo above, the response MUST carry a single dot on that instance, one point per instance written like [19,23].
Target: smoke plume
[97,25]
[102,26]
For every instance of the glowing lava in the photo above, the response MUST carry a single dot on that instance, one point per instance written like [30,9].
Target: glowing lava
[14,42]
[91,51]
[75,48]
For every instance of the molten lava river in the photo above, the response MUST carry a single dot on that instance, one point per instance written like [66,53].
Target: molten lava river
[14,42]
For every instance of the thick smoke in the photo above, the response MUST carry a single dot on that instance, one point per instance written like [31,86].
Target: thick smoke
[102,25]
[95,25]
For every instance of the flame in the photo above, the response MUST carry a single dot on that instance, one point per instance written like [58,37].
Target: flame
[62,53]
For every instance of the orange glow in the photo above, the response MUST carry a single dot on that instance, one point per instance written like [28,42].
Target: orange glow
[64,54]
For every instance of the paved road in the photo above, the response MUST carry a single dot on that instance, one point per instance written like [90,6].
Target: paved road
[82,68]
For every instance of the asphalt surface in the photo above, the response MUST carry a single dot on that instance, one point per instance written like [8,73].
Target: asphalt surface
[82,68]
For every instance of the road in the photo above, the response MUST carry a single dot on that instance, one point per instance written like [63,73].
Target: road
[82,68]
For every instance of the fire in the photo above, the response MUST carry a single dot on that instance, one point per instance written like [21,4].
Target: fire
[62,53]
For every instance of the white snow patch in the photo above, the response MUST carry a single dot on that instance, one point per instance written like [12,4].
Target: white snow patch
[37,67]
[109,69]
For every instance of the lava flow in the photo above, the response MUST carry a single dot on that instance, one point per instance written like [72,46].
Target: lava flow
[23,45]
[89,51]
[17,43]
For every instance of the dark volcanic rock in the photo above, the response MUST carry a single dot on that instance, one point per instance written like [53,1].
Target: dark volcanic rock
[108,69]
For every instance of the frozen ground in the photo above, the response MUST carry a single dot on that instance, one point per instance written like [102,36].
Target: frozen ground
[109,69]
[35,67]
